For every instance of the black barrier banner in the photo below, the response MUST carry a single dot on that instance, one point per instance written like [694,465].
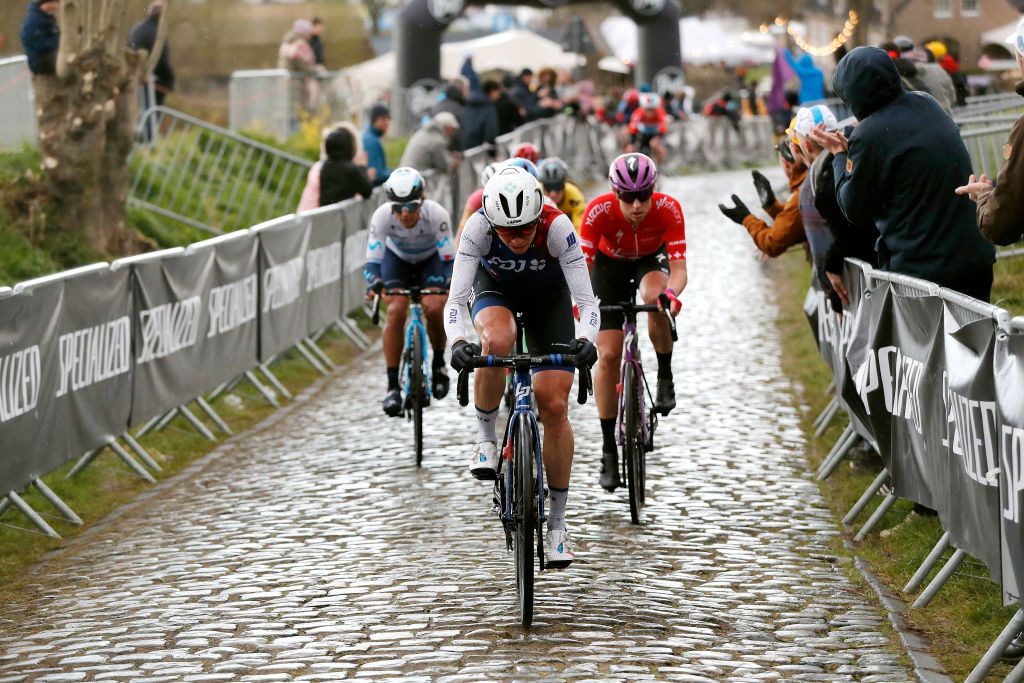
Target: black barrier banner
[284,312]
[1009,385]
[195,322]
[65,372]
[966,476]
[894,364]
[323,269]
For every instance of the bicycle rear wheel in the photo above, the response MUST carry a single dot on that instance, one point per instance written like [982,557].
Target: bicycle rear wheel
[523,514]
[633,448]
[417,393]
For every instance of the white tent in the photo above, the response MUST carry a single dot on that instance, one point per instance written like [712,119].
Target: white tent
[510,50]
[704,41]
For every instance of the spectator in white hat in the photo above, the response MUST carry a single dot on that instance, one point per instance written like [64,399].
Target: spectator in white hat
[428,147]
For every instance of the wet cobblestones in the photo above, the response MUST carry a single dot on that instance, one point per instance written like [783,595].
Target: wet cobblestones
[317,551]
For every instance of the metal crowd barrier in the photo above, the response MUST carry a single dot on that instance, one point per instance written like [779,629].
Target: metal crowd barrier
[964,310]
[17,103]
[211,178]
[274,101]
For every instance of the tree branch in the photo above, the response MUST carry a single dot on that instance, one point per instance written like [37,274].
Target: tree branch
[161,39]
[68,18]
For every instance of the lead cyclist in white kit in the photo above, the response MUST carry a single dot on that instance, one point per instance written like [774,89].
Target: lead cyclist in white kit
[518,254]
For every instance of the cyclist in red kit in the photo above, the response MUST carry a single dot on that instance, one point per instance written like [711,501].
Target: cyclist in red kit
[633,238]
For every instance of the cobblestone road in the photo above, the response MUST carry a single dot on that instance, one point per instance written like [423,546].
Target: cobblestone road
[317,551]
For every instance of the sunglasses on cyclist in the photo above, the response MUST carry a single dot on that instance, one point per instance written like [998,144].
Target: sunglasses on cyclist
[399,207]
[516,230]
[630,197]
[553,188]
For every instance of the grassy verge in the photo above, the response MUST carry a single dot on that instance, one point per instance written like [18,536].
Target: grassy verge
[967,615]
[1008,288]
[108,483]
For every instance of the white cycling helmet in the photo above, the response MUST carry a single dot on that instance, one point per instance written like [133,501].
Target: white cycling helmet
[405,184]
[649,100]
[512,197]
[489,170]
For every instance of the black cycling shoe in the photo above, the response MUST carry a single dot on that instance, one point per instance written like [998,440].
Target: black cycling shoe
[440,381]
[393,403]
[610,471]
[665,398]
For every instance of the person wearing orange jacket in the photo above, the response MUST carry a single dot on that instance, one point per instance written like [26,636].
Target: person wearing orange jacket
[788,227]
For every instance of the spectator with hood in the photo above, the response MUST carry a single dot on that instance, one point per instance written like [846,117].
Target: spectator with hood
[481,124]
[454,102]
[510,114]
[898,170]
[1000,208]
[40,36]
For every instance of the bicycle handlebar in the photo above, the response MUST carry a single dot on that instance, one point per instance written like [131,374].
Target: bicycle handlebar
[663,306]
[429,291]
[526,362]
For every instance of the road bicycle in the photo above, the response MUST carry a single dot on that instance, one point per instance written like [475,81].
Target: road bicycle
[635,424]
[415,371]
[519,491]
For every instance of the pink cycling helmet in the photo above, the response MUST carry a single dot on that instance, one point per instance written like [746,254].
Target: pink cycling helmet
[632,173]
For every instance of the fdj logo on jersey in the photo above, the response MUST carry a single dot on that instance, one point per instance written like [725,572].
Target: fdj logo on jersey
[517,265]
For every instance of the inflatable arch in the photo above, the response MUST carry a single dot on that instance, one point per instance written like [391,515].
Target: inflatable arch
[422,22]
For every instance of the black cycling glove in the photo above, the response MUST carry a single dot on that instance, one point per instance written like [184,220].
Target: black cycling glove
[764,189]
[737,214]
[585,352]
[462,355]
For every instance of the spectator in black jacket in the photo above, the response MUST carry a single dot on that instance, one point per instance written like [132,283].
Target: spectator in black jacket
[454,101]
[40,36]
[510,114]
[143,37]
[525,97]
[340,177]
[898,170]
[315,40]
[481,124]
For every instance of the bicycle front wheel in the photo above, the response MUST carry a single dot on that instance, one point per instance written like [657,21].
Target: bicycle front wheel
[633,448]
[524,514]
[417,393]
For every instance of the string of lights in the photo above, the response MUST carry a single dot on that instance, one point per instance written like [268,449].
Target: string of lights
[818,50]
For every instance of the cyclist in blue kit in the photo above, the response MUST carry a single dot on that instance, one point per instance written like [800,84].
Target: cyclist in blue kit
[410,244]
[518,254]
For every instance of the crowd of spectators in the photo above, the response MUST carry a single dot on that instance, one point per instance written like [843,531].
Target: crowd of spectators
[894,185]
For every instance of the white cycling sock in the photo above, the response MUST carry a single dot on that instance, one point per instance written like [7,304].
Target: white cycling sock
[485,424]
[556,507]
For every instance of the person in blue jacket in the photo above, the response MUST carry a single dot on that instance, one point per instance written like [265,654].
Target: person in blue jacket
[377,164]
[40,36]
[812,79]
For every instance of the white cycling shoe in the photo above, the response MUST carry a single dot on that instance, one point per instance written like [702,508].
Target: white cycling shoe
[559,552]
[484,463]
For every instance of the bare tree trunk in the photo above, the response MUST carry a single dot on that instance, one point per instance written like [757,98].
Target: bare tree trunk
[87,114]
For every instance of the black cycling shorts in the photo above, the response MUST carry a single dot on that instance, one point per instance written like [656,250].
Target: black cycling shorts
[400,274]
[547,312]
[615,281]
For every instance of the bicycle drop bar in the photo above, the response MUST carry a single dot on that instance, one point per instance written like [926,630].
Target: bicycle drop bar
[524,362]
[431,291]
[663,306]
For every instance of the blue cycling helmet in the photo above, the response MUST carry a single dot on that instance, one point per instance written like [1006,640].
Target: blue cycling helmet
[530,167]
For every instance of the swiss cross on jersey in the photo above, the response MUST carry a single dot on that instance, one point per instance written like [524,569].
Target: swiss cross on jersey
[533,267]
[605,229]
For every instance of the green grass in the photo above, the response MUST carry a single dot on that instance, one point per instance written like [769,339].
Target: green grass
[967,615]
[393,150]
[108,483]
[1008,288]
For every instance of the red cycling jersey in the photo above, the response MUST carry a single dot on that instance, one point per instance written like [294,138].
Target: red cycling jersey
[649,122]
[474,201]
[606,229]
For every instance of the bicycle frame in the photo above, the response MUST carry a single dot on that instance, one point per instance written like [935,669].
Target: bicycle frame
[416,326]
[631,356]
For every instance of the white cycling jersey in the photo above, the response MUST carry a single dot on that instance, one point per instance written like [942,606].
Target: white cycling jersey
[479,248]
[431,235]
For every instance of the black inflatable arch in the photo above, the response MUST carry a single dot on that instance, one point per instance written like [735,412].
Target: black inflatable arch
[421,23]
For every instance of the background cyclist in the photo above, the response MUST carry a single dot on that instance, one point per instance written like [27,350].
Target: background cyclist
[520,254]
[647,124]
[410,243]
[632,236]
[554,176]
